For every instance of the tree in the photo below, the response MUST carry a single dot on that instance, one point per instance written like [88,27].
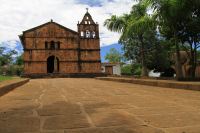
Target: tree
[178,21]
[159,58]
[191,33]
[133,27]
[19,60]
[113,56]
[6,57]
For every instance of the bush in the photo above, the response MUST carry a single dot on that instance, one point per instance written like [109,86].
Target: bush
[134,69]
[126,70]
[11,70]
[137,69]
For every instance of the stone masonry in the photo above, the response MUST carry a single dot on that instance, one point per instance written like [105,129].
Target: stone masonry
[95,106]
[54,49]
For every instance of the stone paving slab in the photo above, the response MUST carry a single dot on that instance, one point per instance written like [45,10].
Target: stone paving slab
[95,106]
[19,124]
[66,122]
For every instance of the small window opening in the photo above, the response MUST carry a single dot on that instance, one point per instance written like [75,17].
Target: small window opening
[52,45]
[93,34]
[46,45]
[58,45]
[82,34]
[85,22]
[30,54]
[87,34]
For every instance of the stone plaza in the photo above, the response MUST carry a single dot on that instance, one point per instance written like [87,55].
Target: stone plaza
[95,106]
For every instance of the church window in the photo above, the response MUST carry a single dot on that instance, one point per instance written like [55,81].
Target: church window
[82,34]
[87,34]
[89,22]
[52,45]
[86,54]
[93,34]
[85,22]
[30,54]
[46,45]
[58,45]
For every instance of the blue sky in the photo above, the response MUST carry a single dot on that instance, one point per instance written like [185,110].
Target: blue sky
[20,15]
[94,3]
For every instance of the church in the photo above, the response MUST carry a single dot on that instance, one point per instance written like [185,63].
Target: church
[54,50]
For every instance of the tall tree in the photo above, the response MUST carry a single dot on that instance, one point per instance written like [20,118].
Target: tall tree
[179,22]
[19,60]
[191,32]
[133,27]
[113,56]
[6,57]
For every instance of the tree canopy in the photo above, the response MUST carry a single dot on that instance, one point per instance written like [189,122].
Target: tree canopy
[113,56]
[150,39]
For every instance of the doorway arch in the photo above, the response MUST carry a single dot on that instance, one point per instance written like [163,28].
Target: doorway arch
[52,64]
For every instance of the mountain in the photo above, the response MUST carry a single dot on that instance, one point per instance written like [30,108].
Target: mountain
[106,49]
[16,45]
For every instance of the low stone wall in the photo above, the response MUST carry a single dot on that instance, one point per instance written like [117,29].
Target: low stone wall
[157,83]
[7,86]
[60,75]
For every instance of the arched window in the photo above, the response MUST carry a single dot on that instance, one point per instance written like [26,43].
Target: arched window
[87,34]
[93,34]
[30,54]
[82,34]
[52,45]
[46,45]
[85,22]
[58,45]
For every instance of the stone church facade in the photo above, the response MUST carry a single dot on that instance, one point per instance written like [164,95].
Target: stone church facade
[52,49]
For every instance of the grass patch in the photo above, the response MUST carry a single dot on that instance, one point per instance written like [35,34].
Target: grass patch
[3,78]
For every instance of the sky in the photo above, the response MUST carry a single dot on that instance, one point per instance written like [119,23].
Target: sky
[20,15]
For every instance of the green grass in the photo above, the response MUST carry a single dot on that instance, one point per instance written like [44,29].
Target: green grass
[2,78]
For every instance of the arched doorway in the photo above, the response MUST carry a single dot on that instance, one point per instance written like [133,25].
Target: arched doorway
[52,64]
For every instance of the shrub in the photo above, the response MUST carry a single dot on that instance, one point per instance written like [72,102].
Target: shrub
[11,70]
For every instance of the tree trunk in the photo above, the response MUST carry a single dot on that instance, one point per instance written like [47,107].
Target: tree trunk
[143,57]
[179,72]
[194,61]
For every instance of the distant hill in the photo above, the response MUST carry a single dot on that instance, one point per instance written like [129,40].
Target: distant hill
[106,49]
[15,44]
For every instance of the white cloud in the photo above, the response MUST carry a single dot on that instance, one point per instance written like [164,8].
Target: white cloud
[20,15]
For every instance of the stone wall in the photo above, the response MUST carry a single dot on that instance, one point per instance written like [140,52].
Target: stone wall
[74,53]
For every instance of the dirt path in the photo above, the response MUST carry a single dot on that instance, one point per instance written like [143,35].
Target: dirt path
[94,106]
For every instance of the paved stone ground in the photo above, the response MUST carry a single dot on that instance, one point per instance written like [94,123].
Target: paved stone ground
[95,106]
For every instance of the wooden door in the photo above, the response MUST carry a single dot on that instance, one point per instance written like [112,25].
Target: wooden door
[109,70]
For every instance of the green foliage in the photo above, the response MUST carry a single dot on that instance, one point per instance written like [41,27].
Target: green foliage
[137,69]
[126,70]
[159,58]
[2,78]
[6,58]
[134,28]
[113,56]
[19,60]
[7,64]
[134,69]
[11,70]
[178,21]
